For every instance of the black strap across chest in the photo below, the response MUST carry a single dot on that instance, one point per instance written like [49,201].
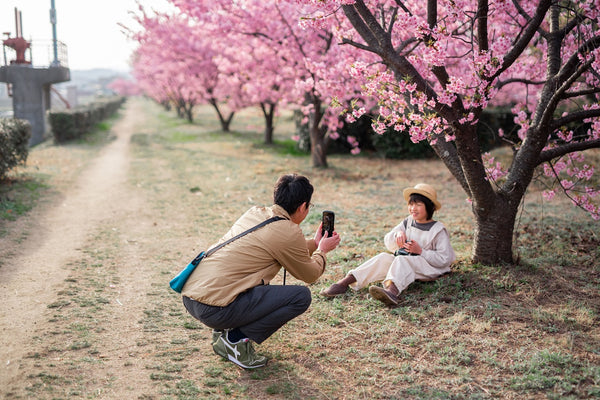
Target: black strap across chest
[272,219]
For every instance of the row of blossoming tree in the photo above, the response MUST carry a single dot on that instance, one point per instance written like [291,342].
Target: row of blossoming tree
[427,69]
[233,54]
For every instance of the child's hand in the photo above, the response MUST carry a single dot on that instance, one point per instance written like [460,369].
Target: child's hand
[413,247]
[400,239]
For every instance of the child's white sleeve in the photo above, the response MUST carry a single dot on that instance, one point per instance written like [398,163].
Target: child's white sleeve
[390,238]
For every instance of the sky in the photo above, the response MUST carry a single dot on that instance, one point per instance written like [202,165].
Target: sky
[89,28]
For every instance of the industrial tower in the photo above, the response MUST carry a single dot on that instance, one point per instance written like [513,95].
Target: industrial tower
[28,84]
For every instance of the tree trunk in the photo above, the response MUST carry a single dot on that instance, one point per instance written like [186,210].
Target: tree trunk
[268,110]
[318,147]
[493,235]
[225,122]
[189,112]
[179,110]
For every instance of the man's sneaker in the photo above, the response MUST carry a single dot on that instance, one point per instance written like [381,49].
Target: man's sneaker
[386,297]
[215,336]
[241,352]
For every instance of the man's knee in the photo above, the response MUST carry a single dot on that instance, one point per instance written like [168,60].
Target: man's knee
[302,298]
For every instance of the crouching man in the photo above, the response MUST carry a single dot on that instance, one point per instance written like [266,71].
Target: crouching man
[230,292]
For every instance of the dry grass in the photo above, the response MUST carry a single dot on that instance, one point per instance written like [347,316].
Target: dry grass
[513,332]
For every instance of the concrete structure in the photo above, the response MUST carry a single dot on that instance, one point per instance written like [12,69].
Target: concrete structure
[31,93]
[30,86]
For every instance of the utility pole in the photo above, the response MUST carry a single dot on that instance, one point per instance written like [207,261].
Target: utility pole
[55,62]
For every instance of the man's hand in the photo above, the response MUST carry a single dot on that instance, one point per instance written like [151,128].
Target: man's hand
[319,234]
[329,243]
[324,242]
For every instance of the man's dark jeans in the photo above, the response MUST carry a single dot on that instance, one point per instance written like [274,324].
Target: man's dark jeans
[258,312]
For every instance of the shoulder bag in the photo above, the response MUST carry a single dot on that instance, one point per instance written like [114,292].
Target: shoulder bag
[179,280]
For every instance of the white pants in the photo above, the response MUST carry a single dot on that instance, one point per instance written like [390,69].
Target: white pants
[401,270]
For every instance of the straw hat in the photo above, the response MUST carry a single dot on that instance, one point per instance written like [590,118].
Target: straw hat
[424,190]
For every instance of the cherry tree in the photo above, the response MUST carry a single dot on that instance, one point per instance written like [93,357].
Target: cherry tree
[448,60]
[124,87]
[177,61]
[283,61]
[261,76]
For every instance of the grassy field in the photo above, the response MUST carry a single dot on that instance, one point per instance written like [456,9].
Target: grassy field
[527,331]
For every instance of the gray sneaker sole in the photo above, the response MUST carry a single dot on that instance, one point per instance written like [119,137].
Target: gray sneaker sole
[225,354]
[239,363]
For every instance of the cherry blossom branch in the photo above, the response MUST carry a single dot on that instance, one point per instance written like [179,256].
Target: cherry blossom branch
[532,25]
[579,201]
[581,93]
[359,45]
[574,60]
[363,28]
[547,114]
[377,38]
[500,84]
[555,152]
[482,25]
[576,116]
[408,42]
[573,23]
[393,20]
[403,7]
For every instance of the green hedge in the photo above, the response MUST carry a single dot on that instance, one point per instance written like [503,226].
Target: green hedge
[14,143]
[70,124]
[397,145]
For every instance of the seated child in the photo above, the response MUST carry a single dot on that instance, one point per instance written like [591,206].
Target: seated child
[421,247]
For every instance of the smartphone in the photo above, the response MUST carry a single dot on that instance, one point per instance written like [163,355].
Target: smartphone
[328,223]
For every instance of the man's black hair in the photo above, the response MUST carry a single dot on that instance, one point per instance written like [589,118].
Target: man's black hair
[419,198]
[291,191]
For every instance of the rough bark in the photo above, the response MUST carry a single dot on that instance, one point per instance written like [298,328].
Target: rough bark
[493,238]
[318,148]
[268,110]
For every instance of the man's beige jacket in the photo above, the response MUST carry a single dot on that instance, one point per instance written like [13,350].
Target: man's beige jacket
[255,258]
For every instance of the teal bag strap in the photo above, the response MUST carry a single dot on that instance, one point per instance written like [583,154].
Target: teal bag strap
[181,278]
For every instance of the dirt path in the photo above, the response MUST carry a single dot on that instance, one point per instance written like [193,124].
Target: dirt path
[31,279]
